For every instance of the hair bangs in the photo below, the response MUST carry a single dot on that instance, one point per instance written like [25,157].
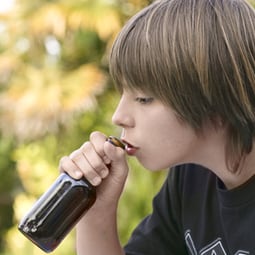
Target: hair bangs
[130,59]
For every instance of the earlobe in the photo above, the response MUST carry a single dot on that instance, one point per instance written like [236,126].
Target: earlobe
[217,121]
[220,122]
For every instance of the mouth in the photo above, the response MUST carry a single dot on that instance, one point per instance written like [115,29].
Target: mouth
[129,148]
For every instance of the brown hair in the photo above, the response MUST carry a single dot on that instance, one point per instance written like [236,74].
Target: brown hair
[197,56]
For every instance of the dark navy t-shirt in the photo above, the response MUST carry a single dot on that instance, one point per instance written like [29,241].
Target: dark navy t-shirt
[194,214]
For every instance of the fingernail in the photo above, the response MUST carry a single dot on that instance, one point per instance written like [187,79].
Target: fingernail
[104,173]
[78,174]
[96,181]
[106,160]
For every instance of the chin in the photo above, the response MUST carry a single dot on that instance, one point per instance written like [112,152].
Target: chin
[158,164]
[153,166]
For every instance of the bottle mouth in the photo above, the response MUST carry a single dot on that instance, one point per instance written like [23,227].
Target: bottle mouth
[116,142]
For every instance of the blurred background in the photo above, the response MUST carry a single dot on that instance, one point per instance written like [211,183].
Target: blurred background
[54,90]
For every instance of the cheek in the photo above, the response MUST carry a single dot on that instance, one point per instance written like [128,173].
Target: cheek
[169,149]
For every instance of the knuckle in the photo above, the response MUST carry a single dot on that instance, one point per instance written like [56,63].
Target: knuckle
[92,177]
[73,154]
[62,160]
[66,165]
[86,147]
[99,167]
[77,157]
[89,173]
[97,136]
[94,135]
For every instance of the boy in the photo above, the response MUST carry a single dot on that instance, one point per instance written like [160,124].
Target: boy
[186,73]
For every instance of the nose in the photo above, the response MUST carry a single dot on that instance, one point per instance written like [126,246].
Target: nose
[123,115]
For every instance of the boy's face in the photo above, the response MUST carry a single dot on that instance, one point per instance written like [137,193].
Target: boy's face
[156,136]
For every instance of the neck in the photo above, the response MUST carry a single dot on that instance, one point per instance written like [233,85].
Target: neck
[212,155]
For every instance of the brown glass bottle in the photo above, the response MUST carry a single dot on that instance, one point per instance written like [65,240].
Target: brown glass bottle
[58,210]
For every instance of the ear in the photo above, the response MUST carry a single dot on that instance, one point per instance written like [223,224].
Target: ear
[217,121]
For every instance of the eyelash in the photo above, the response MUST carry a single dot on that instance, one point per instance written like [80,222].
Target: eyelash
[144,100]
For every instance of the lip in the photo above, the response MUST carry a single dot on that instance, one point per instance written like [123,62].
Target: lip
[130,148]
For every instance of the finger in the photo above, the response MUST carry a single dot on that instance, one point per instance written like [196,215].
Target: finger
[81,161]
[94,159]
[68,166]
[114,153]
[98,139]
[118,158]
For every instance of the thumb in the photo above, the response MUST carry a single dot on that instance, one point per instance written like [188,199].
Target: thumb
[117,156]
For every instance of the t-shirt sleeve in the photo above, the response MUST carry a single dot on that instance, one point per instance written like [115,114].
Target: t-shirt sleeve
[161,232]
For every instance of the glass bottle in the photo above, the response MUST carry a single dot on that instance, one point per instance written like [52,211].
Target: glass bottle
[58,210]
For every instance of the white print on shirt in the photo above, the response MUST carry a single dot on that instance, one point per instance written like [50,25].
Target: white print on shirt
[214,248]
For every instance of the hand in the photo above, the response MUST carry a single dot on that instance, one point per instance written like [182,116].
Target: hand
[102,164]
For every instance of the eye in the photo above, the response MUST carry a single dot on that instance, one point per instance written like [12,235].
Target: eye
[144,100]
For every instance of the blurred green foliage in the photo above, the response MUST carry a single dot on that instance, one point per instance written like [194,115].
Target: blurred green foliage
[9,183]
[54,91]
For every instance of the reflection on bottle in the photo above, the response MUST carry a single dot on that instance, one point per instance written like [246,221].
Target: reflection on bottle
[58,210]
